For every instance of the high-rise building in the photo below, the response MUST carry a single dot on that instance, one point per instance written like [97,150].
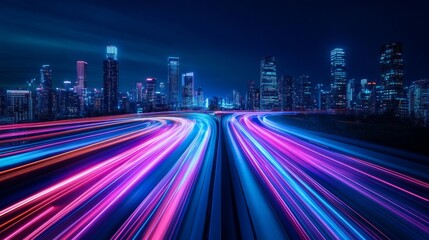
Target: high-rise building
[287,93]
[162,88]
[67,84]
[111,81]
[418,100]
[139,92]
[45,94]
[236,99]
[325,99]
[365,99]
[269,87]
[304,94]
[67,103]
[319,90]
[95,99]
[160,101]
[173,83]
[188,90]
[214,104]
[151,91]
[253,100]
[200,98]
[392,76]
[379,95]
[81,85]
[338,79]
[351,94]
[19,105]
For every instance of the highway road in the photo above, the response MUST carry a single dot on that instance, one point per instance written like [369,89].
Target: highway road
[196,175]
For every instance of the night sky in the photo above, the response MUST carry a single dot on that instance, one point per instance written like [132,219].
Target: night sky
[223,42]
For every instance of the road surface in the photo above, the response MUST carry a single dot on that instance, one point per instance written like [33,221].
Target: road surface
[193,176]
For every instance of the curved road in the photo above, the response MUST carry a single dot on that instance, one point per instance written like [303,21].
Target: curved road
[107,177]
[193,176]
[298,184]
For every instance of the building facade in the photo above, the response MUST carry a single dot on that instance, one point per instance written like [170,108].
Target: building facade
[151,92]
[199,97]
[392,77]
[304,94]
[188,90]
[252,99]
[173,83]
[111,81]
[338,79]
[45,94]
[81,85]
[139,92]
[287,93]
[268,85]
[418,100]
[19,106]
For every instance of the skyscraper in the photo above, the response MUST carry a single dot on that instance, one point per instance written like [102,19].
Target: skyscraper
[305,93]
[287,93]
[188,90]
[418,100]
[67,103]
[319,92]
[81,85]
[351,94]
[365,99]
[338,79]
[45,94]
[269,87]
[392,73]
[139,92]
[253,100]
[150,91]
[19,105]
[111,81]
[173,83]
[162,88]
[199,98]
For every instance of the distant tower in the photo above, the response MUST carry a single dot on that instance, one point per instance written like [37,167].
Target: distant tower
[392,76]
[319,91]
[287,93]
[351,93]
[150,90]
[200,98]
[305,93]
[19,105]
[338,79]
[139,92]
[253,100]
[418,100]
[269,86]
[45,94]
[173,83]
[188,90]
[81,84]
[162,87]
[111,81]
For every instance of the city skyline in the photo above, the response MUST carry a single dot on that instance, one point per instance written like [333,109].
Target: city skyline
[388,97]
[221,61]
[214,120]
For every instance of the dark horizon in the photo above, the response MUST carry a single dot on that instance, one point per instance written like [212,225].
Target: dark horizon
[221,42]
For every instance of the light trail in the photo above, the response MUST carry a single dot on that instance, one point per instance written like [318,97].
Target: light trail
[178,175]
[81,200]
[323,192]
